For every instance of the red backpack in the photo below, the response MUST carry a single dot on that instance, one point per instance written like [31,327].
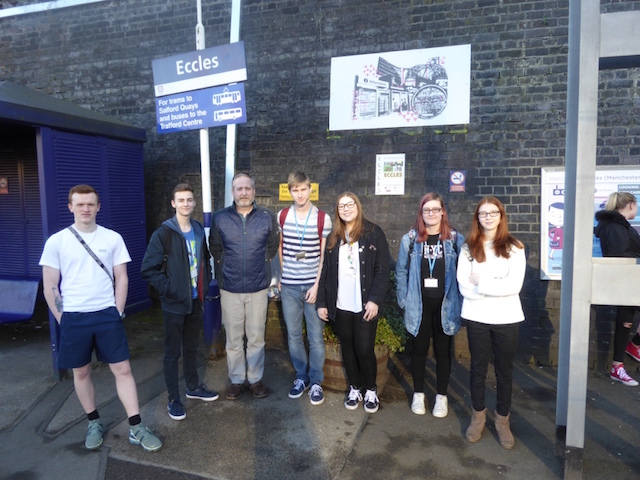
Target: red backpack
[321,214]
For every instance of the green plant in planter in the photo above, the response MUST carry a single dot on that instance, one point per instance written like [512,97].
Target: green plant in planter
[385,335]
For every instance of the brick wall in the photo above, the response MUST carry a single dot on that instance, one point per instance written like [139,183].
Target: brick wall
[99,56]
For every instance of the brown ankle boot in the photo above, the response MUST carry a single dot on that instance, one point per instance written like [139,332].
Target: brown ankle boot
[504,432]
[474,432]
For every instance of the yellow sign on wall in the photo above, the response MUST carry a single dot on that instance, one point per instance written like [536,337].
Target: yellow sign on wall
[285,195]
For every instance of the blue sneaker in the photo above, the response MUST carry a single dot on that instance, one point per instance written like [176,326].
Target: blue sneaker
[203,393]
[94,435]
[316,397]
[176,411]
[299,386]
[139,435]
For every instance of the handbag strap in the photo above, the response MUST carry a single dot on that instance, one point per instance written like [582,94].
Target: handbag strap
[93,255]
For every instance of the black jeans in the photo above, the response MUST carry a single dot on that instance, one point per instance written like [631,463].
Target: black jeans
[431,326]
[621,335]
[357,342]
[502,340]
[181,332]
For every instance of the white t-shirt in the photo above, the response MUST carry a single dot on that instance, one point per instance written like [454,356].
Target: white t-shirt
[349,289]
[85,286]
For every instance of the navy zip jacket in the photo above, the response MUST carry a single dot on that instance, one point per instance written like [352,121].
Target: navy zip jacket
[242,248]
[174,286]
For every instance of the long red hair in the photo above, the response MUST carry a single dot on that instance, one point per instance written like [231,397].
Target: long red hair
[502,242]
[445,226]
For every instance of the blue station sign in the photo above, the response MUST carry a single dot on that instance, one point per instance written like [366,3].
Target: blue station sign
[210,107]
[200,69]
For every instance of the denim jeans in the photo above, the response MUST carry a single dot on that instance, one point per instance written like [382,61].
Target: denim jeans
[294,307]
[502,340]
[181,332]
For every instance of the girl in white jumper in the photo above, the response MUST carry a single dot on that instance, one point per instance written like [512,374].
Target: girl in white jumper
[491,270]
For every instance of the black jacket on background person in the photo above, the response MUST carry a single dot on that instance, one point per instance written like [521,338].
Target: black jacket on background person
[617,237]
[374,271]
[174,286]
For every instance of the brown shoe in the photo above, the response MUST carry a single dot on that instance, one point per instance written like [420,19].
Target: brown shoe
[259,390]
[234,391]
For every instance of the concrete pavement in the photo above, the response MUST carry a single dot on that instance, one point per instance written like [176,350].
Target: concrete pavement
[42,425]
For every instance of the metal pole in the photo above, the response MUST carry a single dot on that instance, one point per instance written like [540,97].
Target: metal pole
[582,110]
[205,162]
[230,164]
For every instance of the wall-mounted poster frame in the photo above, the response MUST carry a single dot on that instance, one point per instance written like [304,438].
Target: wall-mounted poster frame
[624,178]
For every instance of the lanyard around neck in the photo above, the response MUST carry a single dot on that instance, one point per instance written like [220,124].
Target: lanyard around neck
[304,230]
[432,261]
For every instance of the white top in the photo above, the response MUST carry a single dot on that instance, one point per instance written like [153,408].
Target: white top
[495,300]
[85,286]
[349,290]
[296,239]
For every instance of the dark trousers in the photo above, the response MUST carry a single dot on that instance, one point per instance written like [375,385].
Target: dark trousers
[181,332]
[502,340]
[431,326]
[357,342]
[621,335]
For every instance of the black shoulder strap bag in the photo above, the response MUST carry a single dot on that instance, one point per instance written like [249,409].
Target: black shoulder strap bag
[93,255]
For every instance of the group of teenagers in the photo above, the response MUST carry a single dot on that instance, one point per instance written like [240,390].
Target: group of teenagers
[334,269]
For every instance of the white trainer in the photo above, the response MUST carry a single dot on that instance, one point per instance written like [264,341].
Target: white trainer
[441,407]
[417,404]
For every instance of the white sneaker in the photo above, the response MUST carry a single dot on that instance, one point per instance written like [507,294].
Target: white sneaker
[441,407]
[417,404]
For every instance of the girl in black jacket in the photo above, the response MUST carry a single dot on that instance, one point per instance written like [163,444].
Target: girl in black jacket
[619,239]
[352,287]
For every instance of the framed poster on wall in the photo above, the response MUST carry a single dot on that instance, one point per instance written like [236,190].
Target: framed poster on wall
[608,180]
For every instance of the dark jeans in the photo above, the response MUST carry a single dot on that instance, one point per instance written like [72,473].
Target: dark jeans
[502,340]
[357,342]
[621,335]
[181,332]
[431,326]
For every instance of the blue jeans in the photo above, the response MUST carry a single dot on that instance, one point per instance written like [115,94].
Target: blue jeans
[293,308]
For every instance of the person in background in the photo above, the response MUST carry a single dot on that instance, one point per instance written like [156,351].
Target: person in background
[619,239]
[353,284]
[491,270]
[304,230]
[85,284]
[244,238]
[182,287]
[427,291]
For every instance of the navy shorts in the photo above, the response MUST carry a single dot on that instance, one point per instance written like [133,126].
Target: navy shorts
[82,333]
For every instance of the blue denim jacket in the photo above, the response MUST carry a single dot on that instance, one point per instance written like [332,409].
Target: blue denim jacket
[409,293]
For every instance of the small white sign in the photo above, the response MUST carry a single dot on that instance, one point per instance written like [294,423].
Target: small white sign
[390,174]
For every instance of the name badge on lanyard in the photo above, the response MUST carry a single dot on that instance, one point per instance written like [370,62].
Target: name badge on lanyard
[431,282]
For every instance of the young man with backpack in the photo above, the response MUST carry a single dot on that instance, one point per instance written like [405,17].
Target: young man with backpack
[177,265]
[304,232]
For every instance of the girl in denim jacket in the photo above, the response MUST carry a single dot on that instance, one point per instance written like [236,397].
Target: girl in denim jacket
[427,290]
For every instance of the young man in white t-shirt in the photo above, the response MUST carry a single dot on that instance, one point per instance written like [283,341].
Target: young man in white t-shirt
[87,299]
[304,232]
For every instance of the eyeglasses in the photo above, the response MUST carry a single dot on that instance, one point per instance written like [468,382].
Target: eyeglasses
[429,211]
[493,214]
[346,206]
